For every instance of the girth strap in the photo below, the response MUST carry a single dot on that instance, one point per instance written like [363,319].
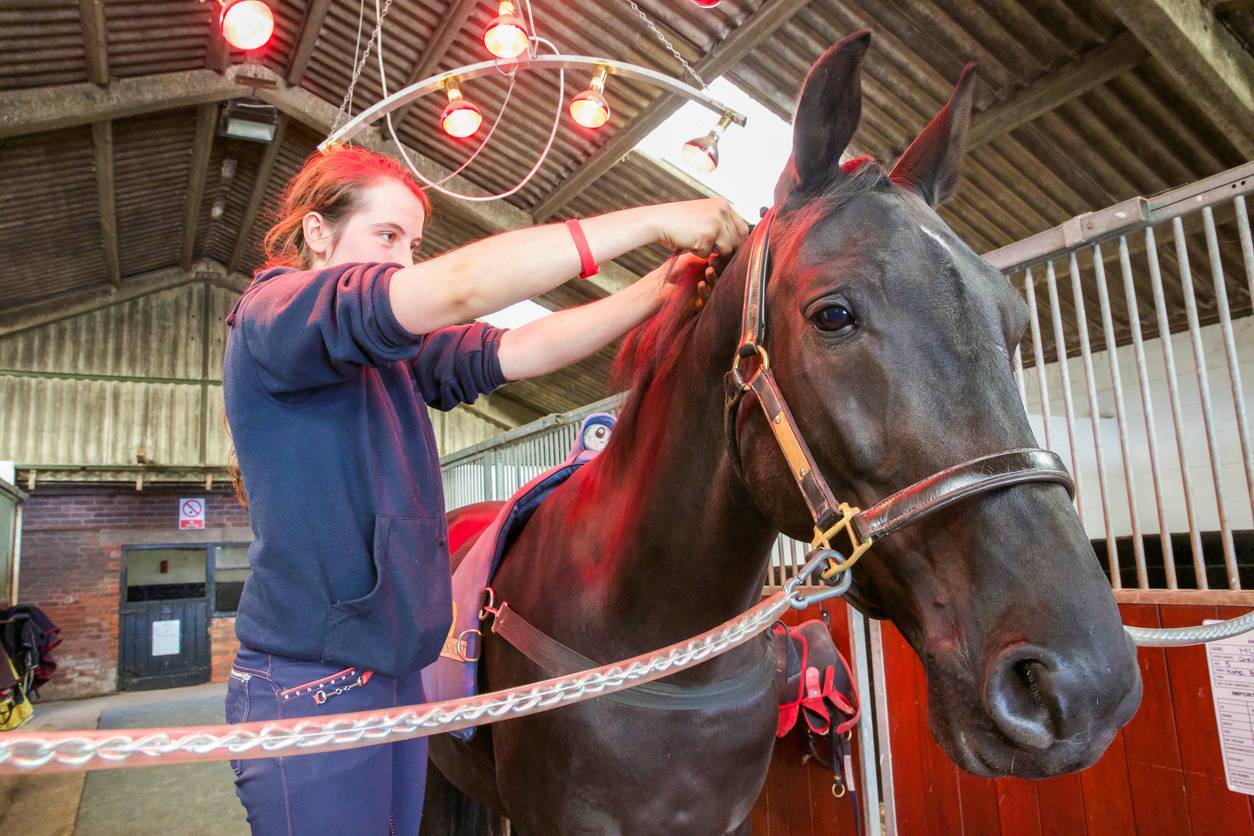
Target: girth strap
[556,659]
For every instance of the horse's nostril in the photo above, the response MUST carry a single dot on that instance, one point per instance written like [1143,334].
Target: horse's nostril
[1019,699]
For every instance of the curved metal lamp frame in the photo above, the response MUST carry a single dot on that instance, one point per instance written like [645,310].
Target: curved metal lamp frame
[418,89]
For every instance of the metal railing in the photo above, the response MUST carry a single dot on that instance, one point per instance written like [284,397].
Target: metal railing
[1143,282]
[1113,278]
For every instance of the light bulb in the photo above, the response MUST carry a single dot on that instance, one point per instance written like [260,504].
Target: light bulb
[701,154]
[246,24]
[460,118]
[506,35]
[589,108]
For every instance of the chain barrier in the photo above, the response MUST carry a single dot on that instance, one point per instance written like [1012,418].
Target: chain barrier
[88,750]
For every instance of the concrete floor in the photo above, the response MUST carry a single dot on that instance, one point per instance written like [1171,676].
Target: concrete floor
[181,799]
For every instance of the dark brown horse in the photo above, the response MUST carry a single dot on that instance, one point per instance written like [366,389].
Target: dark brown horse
[892,342]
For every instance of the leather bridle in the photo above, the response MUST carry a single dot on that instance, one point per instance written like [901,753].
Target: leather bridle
[903,508]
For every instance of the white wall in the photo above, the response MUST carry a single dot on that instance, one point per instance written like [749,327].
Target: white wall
[1231,467]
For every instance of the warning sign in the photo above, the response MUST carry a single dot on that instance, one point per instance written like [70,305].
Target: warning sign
[192,513]
[1232,685]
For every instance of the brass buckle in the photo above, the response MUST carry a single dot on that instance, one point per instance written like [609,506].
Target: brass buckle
[823,540]
[764,367]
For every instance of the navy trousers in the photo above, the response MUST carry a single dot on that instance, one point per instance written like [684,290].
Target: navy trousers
[371,790]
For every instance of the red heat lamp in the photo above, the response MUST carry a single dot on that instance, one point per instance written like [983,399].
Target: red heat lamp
[246,24]
[707,4]
[589,108]
[701,154]
[506,36]
[460,119]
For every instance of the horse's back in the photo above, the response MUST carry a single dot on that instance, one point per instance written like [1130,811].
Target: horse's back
[466,523]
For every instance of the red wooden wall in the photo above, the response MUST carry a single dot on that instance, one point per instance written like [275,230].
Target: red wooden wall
[1163,774]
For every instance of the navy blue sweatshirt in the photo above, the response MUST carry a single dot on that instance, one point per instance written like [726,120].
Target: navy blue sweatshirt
[325,395]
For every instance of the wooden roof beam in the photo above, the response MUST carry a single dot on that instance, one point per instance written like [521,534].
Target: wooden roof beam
[261,185]
[33,110]
[441,39]
[744,38]
[206,127]
[1093,69]
[1203,56]
[46,311]
[102,149]
[308,38]
[95,47]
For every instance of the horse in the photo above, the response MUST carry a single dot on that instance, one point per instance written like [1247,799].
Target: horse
[892,342]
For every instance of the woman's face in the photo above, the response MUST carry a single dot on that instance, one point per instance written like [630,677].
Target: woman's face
[387,228]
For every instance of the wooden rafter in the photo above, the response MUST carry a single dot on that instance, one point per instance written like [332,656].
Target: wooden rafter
[308,37]
[1093,69]
[753,31]
[261,185]
[1203,56]
[206,126]
[102,147]
[95,47]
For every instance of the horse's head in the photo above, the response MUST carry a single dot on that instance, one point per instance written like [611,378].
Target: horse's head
[892,342]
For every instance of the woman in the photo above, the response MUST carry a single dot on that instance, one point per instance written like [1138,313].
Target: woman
[333,354]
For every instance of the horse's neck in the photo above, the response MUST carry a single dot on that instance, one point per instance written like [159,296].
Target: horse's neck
[661,535]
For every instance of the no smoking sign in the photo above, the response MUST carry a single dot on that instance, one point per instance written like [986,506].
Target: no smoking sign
[192,513]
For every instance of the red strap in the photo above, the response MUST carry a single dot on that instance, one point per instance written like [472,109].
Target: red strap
[587,264]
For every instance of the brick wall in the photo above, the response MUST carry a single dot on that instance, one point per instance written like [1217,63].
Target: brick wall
[222,647]
[71,565]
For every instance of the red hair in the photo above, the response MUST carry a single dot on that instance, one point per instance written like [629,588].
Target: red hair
[330,184]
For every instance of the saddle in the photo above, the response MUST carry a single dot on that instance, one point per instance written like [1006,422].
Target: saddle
[454,674]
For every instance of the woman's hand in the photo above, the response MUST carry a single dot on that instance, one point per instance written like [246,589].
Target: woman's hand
[700,226]
[676,274]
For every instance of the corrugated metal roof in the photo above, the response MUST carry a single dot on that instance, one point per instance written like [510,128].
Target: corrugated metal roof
[1137,133]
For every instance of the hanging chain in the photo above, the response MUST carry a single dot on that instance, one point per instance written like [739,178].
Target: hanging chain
[352,83]
[687,67]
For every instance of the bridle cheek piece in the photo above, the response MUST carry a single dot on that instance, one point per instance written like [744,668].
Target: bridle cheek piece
[832,518]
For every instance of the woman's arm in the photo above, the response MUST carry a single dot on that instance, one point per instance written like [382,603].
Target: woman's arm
[497,272]
[557,340]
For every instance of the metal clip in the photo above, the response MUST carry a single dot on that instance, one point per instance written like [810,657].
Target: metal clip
[489,606]
[838,584]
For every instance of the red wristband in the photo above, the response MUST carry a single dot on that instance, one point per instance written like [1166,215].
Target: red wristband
[587,264]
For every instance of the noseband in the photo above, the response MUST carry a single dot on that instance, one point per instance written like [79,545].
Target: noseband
[905,507]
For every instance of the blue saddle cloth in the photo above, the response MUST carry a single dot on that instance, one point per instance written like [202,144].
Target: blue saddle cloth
[455,673]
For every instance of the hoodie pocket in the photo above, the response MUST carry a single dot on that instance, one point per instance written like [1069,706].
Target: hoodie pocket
[400,625]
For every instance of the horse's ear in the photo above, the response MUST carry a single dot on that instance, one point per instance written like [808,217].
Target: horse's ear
[827,115]
[933,162]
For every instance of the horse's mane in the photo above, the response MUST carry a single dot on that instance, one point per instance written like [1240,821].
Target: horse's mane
[651,349]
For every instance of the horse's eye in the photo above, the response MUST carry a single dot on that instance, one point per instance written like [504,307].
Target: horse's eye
[833,318]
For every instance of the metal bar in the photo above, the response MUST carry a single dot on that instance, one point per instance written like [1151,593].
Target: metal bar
[1112,354]
[1090,383]
[1208,416]
[1247,247]
[869,794]
[1123,218]
[883,726]
[1177,418]
[430,84]
[1230,347]
[1147,409]
[1042,384]
[609,404]
[1019,378]
[1060,351]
